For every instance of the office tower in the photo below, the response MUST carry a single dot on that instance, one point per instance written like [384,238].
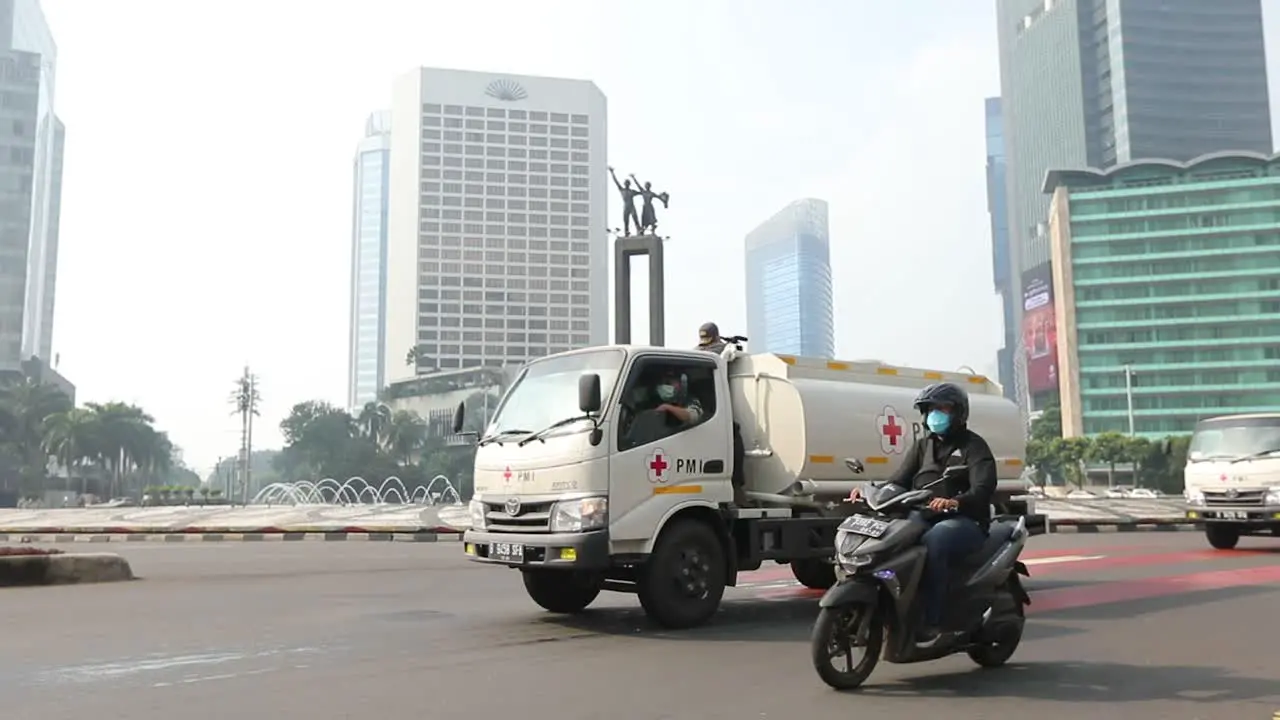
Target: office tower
[497,250]
[1096,83]
[789,282]
[1166,287]
[997,208]
[30,183]
[368,260]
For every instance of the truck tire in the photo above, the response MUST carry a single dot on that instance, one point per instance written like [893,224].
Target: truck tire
[684,579]
[560,591]
[1222,537]
[815,573]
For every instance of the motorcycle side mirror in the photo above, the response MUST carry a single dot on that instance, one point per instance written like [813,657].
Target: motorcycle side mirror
[855,465]
[955,470]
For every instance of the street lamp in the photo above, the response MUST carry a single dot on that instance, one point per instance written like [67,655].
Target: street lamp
[1128,393]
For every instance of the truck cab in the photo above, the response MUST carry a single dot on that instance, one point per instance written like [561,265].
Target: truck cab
[587,480]
[1232,477]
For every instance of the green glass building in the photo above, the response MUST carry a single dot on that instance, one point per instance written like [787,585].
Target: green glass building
[1171,270]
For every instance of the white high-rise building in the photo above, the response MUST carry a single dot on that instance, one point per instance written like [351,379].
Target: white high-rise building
[368,261]
[497,250]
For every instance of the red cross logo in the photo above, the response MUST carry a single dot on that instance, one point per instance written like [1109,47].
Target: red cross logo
[892,430]
[506,475]
[657,465]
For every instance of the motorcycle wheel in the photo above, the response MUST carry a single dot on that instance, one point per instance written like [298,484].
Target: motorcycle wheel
[833,641]
[997,653]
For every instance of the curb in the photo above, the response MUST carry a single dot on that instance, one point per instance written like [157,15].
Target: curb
[72,569]
[1124,526]
[231,530]
[184,537]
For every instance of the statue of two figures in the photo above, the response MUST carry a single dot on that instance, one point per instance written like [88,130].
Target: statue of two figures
[647,221]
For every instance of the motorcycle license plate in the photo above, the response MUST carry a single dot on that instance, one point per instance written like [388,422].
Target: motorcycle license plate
[868,526]
[507,552]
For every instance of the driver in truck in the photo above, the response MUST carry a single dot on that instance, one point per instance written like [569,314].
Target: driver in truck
[949,441]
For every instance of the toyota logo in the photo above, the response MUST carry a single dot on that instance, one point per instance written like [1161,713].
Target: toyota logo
[1231,493]
[513,506]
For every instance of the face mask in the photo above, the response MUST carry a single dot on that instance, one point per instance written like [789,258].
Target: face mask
[938,422]
[666,392]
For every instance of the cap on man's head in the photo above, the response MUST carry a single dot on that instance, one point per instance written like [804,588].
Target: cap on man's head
[707,333]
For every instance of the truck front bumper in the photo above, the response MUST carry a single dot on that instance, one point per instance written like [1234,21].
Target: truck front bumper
[570,551]
[1242,514]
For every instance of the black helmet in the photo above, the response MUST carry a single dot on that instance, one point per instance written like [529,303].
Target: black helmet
[944,394]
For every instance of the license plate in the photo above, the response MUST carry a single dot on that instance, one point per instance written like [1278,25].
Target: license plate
[507,552]
[1232,514]
[863,525]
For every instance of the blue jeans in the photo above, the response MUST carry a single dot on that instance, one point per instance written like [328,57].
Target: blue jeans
[950,539]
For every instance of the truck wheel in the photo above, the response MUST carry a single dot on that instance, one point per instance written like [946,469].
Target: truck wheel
[1222,537]
[816,574]
[561,591]
[682,583]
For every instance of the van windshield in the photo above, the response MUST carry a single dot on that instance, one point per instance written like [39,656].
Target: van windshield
[1234,439]
[546,391]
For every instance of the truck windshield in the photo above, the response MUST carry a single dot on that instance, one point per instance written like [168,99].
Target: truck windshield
[546,391]
[1235,438]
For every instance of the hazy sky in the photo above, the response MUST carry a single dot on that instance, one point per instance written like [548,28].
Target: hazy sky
[208,184]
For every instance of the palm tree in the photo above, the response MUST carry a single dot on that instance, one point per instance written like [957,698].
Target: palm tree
[26,403]
[125,437]
[406,434]
[73,438]
[374,421]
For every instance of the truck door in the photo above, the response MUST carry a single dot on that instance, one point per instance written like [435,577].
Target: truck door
[660,458]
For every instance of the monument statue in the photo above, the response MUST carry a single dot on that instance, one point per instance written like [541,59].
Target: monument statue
[649,214]
[628,203]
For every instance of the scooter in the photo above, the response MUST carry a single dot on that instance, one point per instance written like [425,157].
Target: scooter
[874,608]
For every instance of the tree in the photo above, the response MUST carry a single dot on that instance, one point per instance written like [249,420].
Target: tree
[1048,426]
[72,437]
[1137,450]
[1070,453]
[1109,448]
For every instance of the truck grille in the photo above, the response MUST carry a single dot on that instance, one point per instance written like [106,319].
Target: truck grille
[1241,497]
[531,517]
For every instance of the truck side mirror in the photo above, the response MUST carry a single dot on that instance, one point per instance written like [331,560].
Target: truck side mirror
[459,416]
[589,393]
[1166,446]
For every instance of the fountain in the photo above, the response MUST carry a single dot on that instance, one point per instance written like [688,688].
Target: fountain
[358,491]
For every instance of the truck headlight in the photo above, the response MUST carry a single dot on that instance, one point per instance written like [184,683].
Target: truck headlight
[1194,497]
[580,515]
[1273,497]
[476,510]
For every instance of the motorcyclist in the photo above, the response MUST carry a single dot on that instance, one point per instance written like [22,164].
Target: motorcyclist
[965,500]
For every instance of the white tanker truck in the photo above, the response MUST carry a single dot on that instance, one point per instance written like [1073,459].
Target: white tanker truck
[583,491]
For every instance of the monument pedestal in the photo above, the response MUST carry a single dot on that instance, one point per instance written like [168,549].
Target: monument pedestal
[626,247]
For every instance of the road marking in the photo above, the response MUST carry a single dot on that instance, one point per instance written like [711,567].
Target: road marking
[1129,590]
[1031,562]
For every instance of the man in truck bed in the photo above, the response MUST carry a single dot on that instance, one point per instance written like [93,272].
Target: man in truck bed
[709,340]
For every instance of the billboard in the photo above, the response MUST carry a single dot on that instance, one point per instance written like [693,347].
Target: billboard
[1039,329]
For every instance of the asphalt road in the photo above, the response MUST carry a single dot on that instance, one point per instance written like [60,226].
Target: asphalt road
[1123,626]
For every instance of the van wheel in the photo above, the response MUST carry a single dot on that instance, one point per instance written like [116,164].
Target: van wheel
[816,574]
[561,591]
[682,583]
[1222,537]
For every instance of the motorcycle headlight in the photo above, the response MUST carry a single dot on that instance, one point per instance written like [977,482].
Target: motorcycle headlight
[1273,497]
[475,509]
[847,556]
[580,515]
[1194,497]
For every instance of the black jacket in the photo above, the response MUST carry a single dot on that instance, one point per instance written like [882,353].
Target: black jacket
[929,456]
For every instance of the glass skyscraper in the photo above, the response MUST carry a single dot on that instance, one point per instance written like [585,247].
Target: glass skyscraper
[1001,268]
[1167,275]
[789,282]
[1100,83]
[30,183]
[368,261]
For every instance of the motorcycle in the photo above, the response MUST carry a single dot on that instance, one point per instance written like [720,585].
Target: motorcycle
[874,608]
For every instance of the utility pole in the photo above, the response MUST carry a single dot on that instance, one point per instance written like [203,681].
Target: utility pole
[1128,393]
[245,399]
